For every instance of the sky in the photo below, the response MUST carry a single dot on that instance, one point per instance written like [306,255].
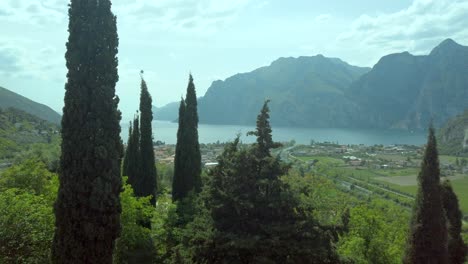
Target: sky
[215,39]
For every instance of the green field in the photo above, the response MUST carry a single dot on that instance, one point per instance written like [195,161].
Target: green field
[322,160]
[460,185]
[403,179]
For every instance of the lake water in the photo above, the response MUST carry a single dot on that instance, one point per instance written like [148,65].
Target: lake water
[167,132]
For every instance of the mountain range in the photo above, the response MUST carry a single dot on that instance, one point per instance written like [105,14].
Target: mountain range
[10,99]
[401,91]
[453,136]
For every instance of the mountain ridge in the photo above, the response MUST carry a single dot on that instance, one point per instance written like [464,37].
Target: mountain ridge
[401,91]
[9,99]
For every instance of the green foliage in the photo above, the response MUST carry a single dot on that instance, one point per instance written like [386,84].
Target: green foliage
[376,234]
[165,176]
[27,193]
[428,221]
[319,197]
[134,244]
[31,176]
[26,227]
[47,153]
[187,164]
[88,207]
[163,223]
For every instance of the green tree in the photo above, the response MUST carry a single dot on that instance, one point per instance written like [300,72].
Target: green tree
[256,219]
[31,176]
[26,227]
[427,242]
[146,184]
[132,165]
[376,234]
[456,246]
[134,244]
[88,206]
[187,164]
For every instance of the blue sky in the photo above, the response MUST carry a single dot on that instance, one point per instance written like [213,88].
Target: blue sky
[215,39]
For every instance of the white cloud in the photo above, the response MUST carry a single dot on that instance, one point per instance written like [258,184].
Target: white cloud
[323,18]
[416,29]
[35,13]
[195,16]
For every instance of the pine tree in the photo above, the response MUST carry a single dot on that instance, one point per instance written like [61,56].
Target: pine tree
[88,207]
[263,132]
[187,164]
[146,184]
[456,246]
[427,242]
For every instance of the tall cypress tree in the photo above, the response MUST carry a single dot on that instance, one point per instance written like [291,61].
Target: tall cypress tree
[147,182]
[427,242]
[132,154]
[193,158]
[187,164]
[456,246]
[88,208]
[178,180]
[127,150]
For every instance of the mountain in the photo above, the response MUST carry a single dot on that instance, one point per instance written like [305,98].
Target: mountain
[304,91]
[453,136]
[407,91]
[168,112]
[402,91]
[11,99]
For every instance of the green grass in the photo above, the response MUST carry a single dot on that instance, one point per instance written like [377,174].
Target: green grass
[447,159]
[397,172]
[461,189]
[322,160]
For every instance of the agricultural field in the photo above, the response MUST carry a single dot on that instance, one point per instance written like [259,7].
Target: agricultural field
[395,180]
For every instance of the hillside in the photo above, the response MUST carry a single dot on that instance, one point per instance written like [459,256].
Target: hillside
[168,112]
[19,129]
[11,99]
[407,91]
[304,91]
[453,136]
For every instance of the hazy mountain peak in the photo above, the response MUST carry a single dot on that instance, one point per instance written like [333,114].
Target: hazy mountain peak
[448,46]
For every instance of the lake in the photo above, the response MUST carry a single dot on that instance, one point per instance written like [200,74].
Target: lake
[167,131]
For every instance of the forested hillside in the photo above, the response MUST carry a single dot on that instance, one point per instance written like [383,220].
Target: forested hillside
[19,129]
